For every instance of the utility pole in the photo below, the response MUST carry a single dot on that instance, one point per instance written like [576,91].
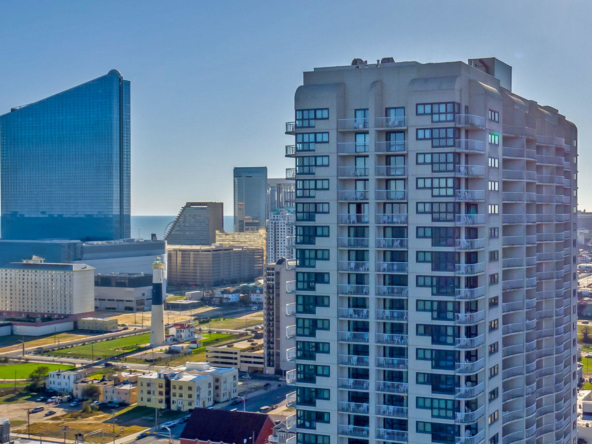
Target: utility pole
[92,351]
[29,423]
[15,381]
[156,417]
[113,421]
[64,430]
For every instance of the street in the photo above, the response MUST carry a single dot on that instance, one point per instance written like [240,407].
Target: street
[273,396]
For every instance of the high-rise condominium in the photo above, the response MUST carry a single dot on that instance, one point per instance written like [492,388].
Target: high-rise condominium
[66,164]
[197,224]
[280,194]
[435,276]
[250,198]
[280,235]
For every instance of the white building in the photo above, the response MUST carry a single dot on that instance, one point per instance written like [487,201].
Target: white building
[435,248]
[227,296]
[183,332]
[123,291]
[280,233]
[63,381]
[35,288]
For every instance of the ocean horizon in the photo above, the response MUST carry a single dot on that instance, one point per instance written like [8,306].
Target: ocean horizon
[142,227]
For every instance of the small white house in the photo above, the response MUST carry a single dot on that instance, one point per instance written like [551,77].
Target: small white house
[181,332]
[227,296]
[63,381]
[256,298]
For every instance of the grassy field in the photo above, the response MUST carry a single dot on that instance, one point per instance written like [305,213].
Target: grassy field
[105,349]
[8,343]
[233,323]
[24,370]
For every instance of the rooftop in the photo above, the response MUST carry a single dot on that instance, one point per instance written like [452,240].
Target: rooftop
[239,427]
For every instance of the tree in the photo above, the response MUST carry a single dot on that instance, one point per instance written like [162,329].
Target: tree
[37,377]
[91,392]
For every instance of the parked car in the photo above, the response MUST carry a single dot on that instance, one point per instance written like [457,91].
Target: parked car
[108,364]
[97,403]
[169,424]
[51,412]
[238,401]
[265,409]
[125,367]
[37,409]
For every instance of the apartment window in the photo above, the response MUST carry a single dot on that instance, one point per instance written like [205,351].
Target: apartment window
[440,285]
[440,137]
[493,162]
[309,350]
[493,325]
[443,433]
[307,235]
[307,304]
[440,112]
[440,334]
[494,256]
[440,162]
[441,236]
[308,438]
[494,279]
[308,164]
[493,417]
[307,419]
[493,232]
[309,396]
[493,371]
[308,373]
[493,301]
[440,211]
[440,260]
[494,439]
[308,188]
[493,348]
[441,408]
[308,211]
[440,310]
[309,258]
[308,141]
[493,209]
[441,384]
[308,327]
[440,186]
[493,394]
[308,281]
[493,185]
[493,138]
[493,115]
[305,118]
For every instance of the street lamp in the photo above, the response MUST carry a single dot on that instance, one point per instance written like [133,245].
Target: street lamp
[244,402]
[64,429]
[170,434]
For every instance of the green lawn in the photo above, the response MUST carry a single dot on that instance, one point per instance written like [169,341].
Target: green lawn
[105,349]
[24,370]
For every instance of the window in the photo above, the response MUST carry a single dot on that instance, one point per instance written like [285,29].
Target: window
[493,371]
[440,211]
[494,279]
[493,209]
[309,327]
[305,118]
[308,164]
[441,236]
[440,162]
[443,433]
[493,417]
[307,211]
[440,137]
[441,359]
[440,186]
[307,419]
[307,304]
[493,185]
[441,310]
[307,235]
[308,141]
[493,162]
[494,233]
[493,325]
[440,285]
[308,350]
[308,281]
[308,373]
[309,258]
[494,138]
[493,302]
[441,408]
[309,396]
[308,438]
[494,256]
[308,188]
[440,260]
[440,112]
[444,384]
[440,334]
[494,439]
[493,348]
[493,394]
[493,115]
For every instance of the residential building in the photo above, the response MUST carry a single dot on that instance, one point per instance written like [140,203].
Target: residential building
[189,391]
[124,393]
[255,240]
[225,379]
[212,266]
[250,198]
[435,257]
[63,381]
[78,187]
[283,431]
[203,427]
[246,356]
[154,389]
[584,220]
[280,235]
[227,296]
[280,194]
[123,291]
[196,224]
[182,332]
[78,391]
[38,289]
[98,324]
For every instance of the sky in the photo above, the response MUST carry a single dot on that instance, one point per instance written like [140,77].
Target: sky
[213,82]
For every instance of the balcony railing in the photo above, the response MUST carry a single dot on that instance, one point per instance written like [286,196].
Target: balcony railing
[353,384]
[352,124]
[290,309]
[470,121]
[391,290]
[392,435]
[391,339]
[290,286]
[470,391]
[352,195]
[468,343]
[390,171]
[395,195]
[469,269]
[470,195]
[290,173]
[353,242]
[353,407]
[391,315]
[392,411]
[469,417]
[393,146]
[392,387]
[387,219]
[290,331]
[290,127]
[353,360]
[391,363]
[291,376]
[469,171]
[470,367]
[392,267]
[350,289]
[290,150]
[470,146]
[291,354]
[353,313]
[469,294]
[474,439]
[391,243]
[354,266]
[390,122]
[353,219]
[469,318]
[470,219]
[469,244]
[355,431]
[352,147]
[290,421]
[290,399]
[352,171]
[353,336]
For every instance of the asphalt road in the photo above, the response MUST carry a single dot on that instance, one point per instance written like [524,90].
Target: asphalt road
[162,436]
[272,396]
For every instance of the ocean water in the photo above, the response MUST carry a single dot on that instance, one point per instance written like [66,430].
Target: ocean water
[144,226]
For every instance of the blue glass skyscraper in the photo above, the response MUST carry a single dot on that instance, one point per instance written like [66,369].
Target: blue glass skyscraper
[65,170]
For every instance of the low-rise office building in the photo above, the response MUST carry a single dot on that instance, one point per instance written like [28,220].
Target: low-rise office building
[245,356]
[123,291]
[98,324]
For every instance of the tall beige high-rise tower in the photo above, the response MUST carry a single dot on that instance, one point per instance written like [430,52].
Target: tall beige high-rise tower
[435,275]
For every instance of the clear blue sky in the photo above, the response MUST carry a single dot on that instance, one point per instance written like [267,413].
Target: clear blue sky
[213,81]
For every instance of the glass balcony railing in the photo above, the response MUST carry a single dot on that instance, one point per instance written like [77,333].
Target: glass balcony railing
[352,124]
[470,391]
[352,147]
[353,407]
[391,363]
[469,244]
[470,121]
[290,309]
[470,318]
[469,417]
[469,269]
[468,343]
[392,387]
[470,195]
[470,367]
[392,267]
[469,219]
[290,331]
[470,146]
[469,171]
[391,243]
[353,384]
[391,290]
[352,195]
[290,150]
[354,266]
[391,339]
[478,438]
[391,171]
[290,127]
[290,399]
[290,376]
[392,435]
[470,293]
[394,146]
[352,289]
[392,411]
[387,219]
[353,242]
[355,431]
[353,219]
[394,195]
[353,336]
[353,360]
[353,313]
[291,354]
[391,315]
[390,122]
[352,171]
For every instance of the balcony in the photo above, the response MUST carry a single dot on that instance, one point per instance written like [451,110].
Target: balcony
[508,174]
[352,148]
[509,329]
[469,417]
[351,290]
[469,219]
[391,219]
[390,171]
[290,128]
[469,343]
[469,392]
[391,363]
[392,387]
[470,146]
[391,122]
[391,435]
[391,243]
[469,294]
[354,266]
[353,313]
[393,146]
[470,367]
[355,431]
[469,171]
[290,331]
[353,360]
[391,195]
[353,242]
[469,269]
[475,439]
[470,318]
[391,411]
[290,422]
[470,195]
[353,219]
[290,173]
[352,171]
[391,315]
[391,339]
[353,384]
[352,124]
[352,195]
[510,241]
[290,377]
[290,286]
[353,336]
[391,290]
[290,309]
[353,407]
[392,267]
[469,244]
[290,399]
[470,121]
[290,151]
[291,354]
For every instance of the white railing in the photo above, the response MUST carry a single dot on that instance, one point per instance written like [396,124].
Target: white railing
[391,219]
[470,195]
[353,313]
[353,219]
[291,354]
[392,267]
[391,363]
[290,309]
[470,120]
[395,195]
[391,315]
[290,150]
[290,421]
[391,290]
[290,376]
[290,173]
[290,399]
[469,269]
[290,127]
[391,339]
[290,286]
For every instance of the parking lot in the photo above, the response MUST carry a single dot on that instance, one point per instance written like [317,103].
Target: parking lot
[17,412]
